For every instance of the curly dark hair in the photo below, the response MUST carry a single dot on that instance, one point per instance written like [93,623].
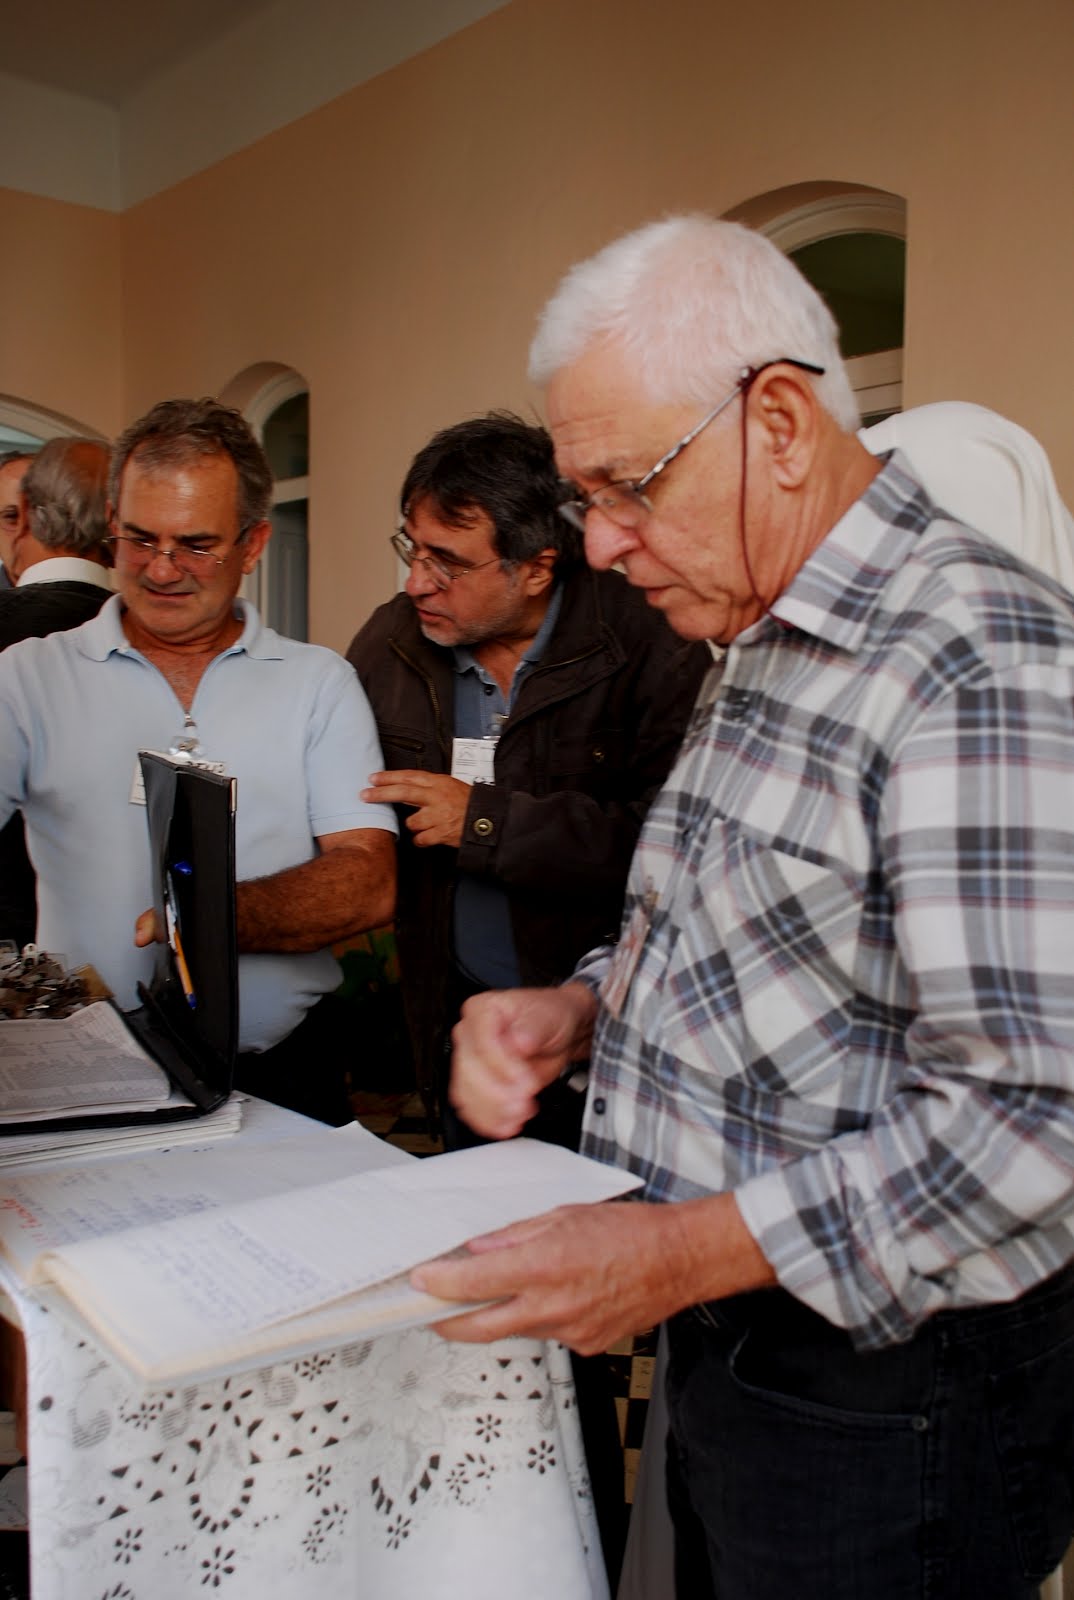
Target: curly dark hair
[504,467]
[177,431]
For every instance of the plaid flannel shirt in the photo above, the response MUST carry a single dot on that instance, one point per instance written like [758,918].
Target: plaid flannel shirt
[854,1000]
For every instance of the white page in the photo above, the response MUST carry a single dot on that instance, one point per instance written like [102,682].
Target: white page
[382,1308]
[44,1210]
[171,1294]
[78,1145]
[51,1066]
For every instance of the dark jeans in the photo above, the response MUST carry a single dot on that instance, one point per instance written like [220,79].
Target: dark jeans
[939,1469]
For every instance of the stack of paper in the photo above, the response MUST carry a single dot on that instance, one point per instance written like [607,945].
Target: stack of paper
[68,1066]
[22,1149]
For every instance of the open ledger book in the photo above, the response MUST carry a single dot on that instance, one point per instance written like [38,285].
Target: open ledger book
[212,1261]
[66,1082]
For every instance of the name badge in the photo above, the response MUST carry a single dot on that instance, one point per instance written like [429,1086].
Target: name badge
[473,760]
[620,975]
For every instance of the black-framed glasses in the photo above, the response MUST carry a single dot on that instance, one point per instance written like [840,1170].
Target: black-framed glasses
[625,502]
[139,549]
[443,572]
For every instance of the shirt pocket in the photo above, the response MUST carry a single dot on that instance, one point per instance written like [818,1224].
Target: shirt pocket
[405,748]
[592,760]
[761,986]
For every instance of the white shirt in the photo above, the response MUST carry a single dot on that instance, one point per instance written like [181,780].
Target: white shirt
[66,569]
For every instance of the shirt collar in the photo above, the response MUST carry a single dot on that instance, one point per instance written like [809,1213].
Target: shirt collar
[465,661]
[65,569]
[104,636]
[835,592]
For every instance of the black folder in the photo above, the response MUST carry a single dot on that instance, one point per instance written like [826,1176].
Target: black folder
[188,1019]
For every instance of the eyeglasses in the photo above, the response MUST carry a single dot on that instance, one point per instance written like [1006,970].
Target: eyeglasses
[138,550]
[625,502]
[443,572]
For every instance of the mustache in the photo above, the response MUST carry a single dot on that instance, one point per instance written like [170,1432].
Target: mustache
[185,587]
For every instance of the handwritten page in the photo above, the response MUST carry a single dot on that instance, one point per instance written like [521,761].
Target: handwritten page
[169,1295]
[55,1065]
[46,1210]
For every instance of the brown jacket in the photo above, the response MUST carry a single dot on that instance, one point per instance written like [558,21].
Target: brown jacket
[592,734]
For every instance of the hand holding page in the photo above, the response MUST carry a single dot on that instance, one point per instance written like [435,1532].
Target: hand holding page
[232,1281]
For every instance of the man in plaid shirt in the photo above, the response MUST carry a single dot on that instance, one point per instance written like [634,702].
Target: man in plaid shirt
[837,1032]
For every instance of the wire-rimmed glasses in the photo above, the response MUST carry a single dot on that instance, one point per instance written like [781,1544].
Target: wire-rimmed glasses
[625,501]
[443,572]
[139,549]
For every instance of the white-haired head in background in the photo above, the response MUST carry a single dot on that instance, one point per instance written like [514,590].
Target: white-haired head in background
[989,473]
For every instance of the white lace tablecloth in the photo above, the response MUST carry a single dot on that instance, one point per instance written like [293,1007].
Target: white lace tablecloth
[403,1466]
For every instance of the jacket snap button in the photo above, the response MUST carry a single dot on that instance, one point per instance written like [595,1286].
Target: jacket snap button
[598,755]
[483,827]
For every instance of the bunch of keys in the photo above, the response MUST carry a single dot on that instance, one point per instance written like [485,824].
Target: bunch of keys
[36,984]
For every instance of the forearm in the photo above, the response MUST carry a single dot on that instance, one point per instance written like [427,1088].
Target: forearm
[713,1251]
[589,1275]
[336,895]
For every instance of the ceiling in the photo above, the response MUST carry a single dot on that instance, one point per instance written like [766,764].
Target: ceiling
[107,103]
[110,49]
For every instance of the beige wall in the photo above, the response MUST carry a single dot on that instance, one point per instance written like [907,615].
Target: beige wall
[395,246]
[60,324]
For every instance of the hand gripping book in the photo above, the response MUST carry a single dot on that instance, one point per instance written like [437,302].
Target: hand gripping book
[204,1262]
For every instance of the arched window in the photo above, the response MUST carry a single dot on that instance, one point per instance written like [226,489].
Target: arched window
[26,427]
[851,245]
[275,402]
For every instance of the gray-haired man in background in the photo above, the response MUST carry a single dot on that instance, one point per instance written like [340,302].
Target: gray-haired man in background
[55,531]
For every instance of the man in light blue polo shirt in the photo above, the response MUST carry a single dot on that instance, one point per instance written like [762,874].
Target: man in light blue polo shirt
[175,654]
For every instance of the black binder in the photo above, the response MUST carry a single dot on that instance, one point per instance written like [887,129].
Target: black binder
[188,1019]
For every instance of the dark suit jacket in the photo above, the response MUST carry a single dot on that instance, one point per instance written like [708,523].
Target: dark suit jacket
[30,613]
[42,608]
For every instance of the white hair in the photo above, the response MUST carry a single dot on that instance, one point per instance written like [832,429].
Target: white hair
[692,301]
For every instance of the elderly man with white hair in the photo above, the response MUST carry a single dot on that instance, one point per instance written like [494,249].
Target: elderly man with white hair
[836,1036]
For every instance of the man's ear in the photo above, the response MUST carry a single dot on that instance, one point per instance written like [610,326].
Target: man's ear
[542,571]
[22,540]
[257,537]
[783,401]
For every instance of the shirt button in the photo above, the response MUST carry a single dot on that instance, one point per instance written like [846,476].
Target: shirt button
[489,688]
[600,1105]
[482,826]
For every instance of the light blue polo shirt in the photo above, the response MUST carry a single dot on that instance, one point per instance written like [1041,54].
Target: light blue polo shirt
[289,721]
